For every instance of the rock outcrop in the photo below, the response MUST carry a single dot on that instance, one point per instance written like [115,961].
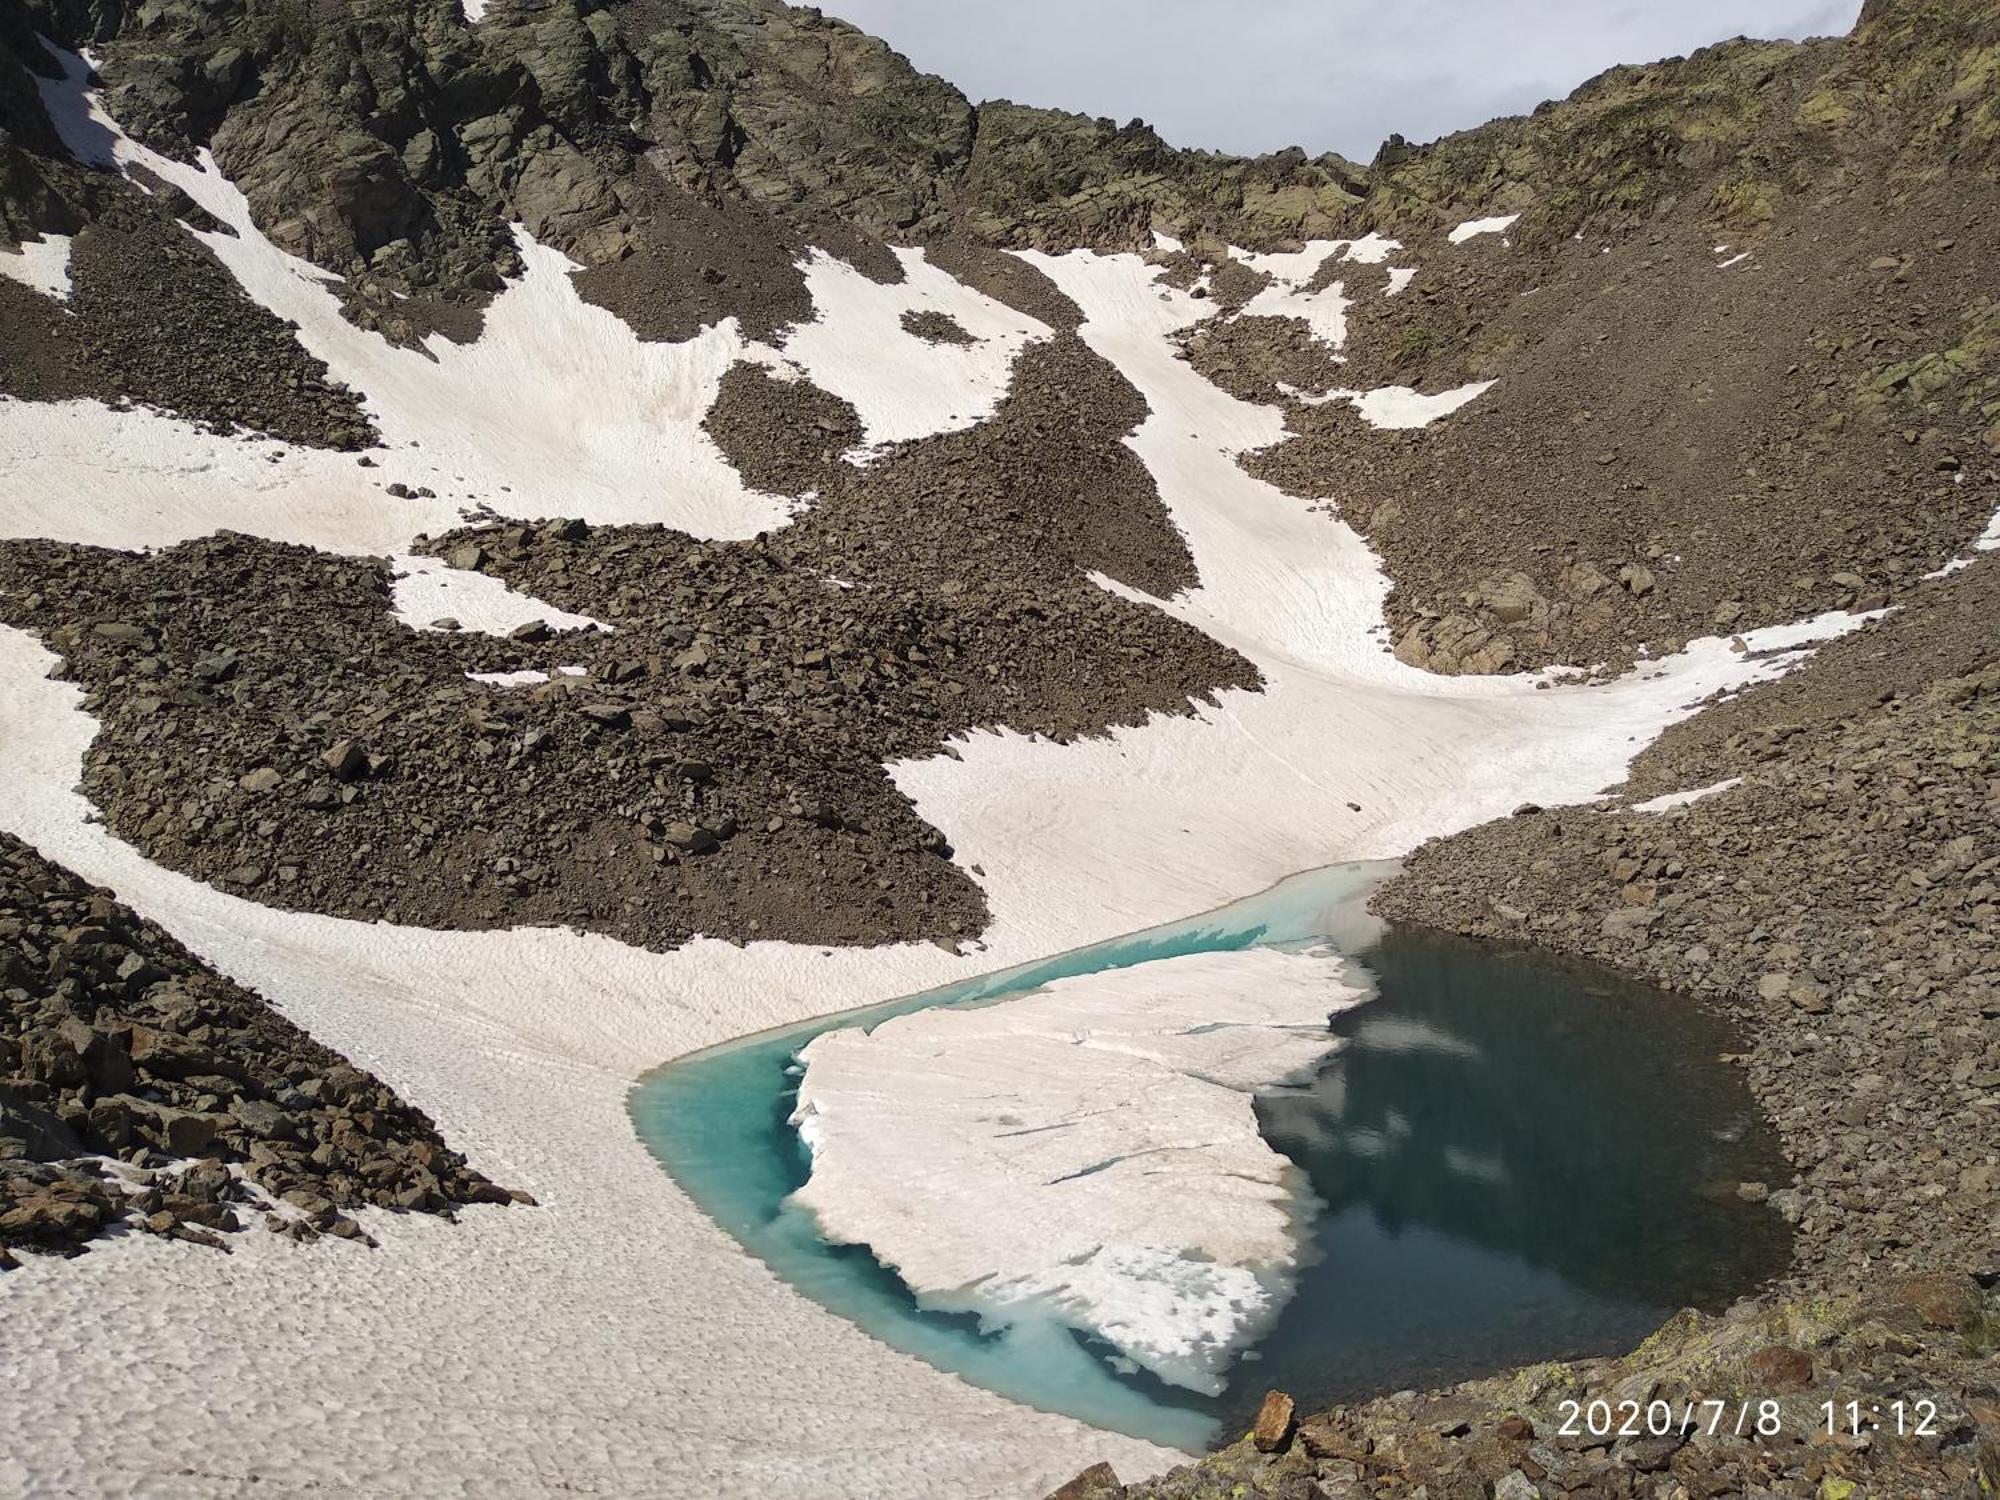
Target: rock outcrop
[140,1090]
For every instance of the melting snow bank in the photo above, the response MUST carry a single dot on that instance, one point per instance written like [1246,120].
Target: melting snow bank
[41,264]
[1088,1154]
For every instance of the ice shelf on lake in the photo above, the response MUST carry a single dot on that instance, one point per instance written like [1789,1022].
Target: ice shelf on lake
[1087,1154]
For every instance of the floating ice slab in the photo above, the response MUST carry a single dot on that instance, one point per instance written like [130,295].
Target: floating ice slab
[42,264]
[1087,1154]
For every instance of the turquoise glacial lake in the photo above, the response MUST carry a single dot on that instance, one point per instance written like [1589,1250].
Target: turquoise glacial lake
[1517,1158]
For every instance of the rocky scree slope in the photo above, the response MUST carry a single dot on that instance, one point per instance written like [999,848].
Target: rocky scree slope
[142,1091]
[1743,332]
[714,763]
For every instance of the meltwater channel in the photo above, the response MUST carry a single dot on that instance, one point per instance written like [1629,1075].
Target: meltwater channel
[1518,1159]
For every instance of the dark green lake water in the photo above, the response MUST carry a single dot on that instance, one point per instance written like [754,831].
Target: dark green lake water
[1519,1159]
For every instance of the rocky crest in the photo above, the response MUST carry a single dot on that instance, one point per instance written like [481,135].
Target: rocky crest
[394,143]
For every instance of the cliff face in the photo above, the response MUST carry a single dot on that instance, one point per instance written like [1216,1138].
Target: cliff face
[1731,133]
[394,142]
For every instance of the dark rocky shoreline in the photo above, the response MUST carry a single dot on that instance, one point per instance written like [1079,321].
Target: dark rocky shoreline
[1840,905]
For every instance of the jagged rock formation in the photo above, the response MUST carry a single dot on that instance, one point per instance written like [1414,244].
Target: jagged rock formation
[706,141]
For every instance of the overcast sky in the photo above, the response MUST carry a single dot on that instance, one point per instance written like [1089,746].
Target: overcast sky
[1256,75]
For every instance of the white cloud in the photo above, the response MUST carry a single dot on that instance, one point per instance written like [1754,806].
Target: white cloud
[1337,75]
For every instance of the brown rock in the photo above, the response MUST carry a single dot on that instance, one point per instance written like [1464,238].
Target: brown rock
[1779,1369]
[1939,1301]
[1098,1482]
[1273,1428]
[346,759]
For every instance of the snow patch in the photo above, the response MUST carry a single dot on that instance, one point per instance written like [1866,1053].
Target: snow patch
[1399,278]
[527,677]
[427,590]
[903,386]
[1291,271]
[1324,311]
[41,265]
[1671,800]
[1987,541]
[1474,227]
[1397,406]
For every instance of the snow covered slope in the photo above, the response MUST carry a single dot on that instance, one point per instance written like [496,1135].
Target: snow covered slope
[615,1338]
